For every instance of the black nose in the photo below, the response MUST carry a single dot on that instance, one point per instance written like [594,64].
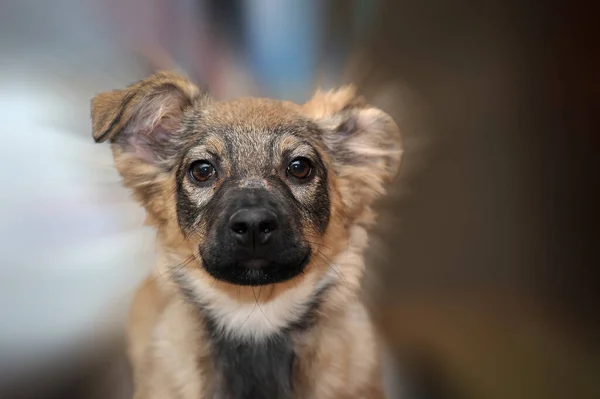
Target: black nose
[253,227]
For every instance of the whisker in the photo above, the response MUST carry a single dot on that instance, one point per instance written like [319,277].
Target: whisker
[249,314]
[214,283]
[295,281]
[179,266]
[260,307]
[332,267]
[317,244]
[147,283]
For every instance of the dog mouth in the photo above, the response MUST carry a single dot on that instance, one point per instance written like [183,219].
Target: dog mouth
[257,272]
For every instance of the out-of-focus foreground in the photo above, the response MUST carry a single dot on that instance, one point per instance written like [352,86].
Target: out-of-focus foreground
[486,248]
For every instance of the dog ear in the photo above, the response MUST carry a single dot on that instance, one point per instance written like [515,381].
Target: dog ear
[143,123]
[363,141]
[143,117]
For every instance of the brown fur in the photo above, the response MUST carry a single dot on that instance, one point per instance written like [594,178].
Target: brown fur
[168,344]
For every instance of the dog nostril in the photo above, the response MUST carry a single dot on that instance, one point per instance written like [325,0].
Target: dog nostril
[267,226]
[239,228]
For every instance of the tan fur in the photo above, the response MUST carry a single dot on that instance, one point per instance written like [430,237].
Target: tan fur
[170,354]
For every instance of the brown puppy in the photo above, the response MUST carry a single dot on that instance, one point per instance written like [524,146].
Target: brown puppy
[261,209]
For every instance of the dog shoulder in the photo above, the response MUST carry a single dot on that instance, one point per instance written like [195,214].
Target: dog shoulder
[165,344]
[346,356]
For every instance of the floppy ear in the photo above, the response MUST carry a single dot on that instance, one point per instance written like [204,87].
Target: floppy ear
[363,142]
[143,123]
[145,115]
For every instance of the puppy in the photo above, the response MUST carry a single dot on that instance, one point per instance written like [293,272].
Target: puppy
[261,209]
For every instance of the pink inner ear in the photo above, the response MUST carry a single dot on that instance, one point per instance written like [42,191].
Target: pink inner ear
[148,145]
[154,126]
[161,134]
[141,146]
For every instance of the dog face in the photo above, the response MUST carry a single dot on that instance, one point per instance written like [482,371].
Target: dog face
[252,190]
[255,189]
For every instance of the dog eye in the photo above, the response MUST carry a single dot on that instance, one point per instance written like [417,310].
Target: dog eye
[202,171]
[300,168]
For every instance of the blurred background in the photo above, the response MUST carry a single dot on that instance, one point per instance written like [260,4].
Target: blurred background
[485,262]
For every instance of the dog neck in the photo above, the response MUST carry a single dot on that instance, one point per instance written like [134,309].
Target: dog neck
[254,344]
[258,366]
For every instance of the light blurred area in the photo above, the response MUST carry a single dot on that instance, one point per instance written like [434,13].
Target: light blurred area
[486,252]
[72,245]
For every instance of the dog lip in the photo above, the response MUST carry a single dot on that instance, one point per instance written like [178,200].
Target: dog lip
[255,264]
[256,272]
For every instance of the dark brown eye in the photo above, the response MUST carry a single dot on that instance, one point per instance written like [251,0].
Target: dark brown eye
[300,168]
[202,171]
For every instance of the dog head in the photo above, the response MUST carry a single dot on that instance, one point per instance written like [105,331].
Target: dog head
[256,190]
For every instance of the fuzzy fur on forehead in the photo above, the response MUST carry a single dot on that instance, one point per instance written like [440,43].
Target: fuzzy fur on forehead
[260,113]
[255,127]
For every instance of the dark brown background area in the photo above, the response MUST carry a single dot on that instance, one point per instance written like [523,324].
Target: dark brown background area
[488,248]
